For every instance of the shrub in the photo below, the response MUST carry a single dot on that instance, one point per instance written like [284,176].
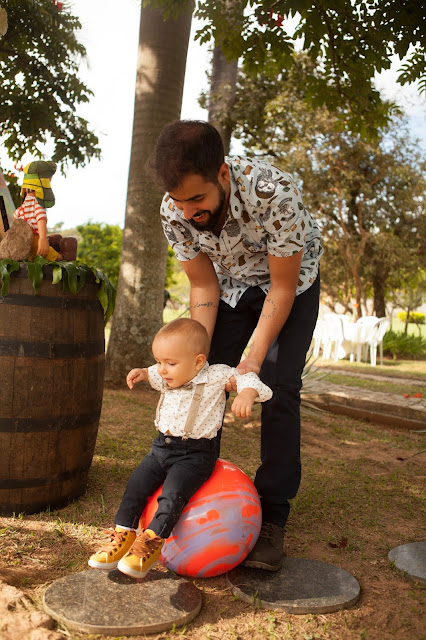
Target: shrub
[402,345]
[415,318]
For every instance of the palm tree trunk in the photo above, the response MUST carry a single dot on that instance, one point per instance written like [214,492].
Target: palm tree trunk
[163,46]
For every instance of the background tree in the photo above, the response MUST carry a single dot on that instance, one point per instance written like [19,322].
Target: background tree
[163,43]
[100,246]
[410,298]
[223,82]
[347,42]
[367,196]
[222,95]
[39,62]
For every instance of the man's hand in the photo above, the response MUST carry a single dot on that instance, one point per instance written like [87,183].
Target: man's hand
[246,366]
[249,364]
[136,375]
[243,402]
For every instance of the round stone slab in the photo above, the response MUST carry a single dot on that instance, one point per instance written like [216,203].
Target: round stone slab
[111,603]
[301,586]
[411,560]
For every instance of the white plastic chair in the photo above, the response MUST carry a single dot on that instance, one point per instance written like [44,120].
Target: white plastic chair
[368,321]
[376,340]
[320,335]
[333,337]
[364,337]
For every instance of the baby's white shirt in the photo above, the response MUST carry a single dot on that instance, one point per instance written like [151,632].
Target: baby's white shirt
[176,403]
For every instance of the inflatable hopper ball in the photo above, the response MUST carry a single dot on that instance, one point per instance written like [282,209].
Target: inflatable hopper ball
[218,527]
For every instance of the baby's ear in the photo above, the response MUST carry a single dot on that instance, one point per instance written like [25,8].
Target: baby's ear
[200,361]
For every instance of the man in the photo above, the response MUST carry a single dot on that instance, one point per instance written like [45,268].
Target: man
[251,253]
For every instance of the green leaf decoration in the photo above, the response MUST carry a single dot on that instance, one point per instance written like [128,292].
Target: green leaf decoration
[102,295]
[71,271]
[56,273]
[72,274]
[106,294]
[81,277]
[6,268]
[35,272]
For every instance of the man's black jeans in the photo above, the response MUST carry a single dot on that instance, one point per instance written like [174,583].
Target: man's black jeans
[278,477]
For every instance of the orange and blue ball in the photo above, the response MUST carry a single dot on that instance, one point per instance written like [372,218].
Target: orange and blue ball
[218,527]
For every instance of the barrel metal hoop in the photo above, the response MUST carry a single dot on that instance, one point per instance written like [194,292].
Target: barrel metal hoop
[49,350]
[51,302]
[63,423]
[27,483]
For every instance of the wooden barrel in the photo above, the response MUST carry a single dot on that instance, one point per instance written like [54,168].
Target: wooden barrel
[52,360]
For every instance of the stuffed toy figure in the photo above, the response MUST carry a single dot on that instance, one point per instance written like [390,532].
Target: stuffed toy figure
[27,236]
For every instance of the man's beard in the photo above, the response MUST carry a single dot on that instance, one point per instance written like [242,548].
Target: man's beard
[214,216]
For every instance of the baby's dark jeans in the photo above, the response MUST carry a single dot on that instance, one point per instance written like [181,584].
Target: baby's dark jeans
[181,466]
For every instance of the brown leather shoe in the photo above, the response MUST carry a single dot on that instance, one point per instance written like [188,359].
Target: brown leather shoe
[268,551]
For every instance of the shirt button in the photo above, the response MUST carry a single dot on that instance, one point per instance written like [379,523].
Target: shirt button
[167,440]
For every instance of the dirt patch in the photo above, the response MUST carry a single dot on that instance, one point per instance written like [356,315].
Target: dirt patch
[362,494]
[19,619]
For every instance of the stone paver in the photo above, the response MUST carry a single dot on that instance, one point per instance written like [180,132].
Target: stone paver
[111,603]
[389,408]
[301,586]
[410,559]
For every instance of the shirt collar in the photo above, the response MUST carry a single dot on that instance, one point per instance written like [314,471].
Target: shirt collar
[201,377]
[235,207]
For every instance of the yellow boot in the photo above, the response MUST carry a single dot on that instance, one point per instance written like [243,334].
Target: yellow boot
[119,544]
[143,555]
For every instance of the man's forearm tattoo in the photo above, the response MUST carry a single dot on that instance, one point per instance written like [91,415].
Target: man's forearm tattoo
[271,310]
[204,304]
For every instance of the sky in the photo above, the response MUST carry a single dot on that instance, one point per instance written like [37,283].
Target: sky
[97,192]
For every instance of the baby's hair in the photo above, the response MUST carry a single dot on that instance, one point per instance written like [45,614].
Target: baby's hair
[193,332]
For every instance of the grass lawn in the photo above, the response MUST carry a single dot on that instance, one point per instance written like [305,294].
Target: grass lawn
[362,494]
[390,368]
[398,325]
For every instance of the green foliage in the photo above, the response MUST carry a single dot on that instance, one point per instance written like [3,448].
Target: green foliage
[39,62]
[101,245]
[170,268]
[411,296]
[72,274]
[347,43]
[6,268]
[399,345]
[368,196]
[415,318]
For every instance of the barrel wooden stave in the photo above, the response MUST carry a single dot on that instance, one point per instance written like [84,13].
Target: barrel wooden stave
[51,382]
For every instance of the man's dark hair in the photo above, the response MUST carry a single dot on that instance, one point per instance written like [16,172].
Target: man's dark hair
[187,146]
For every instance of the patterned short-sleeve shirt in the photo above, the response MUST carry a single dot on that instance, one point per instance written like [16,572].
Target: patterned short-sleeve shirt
[265,216]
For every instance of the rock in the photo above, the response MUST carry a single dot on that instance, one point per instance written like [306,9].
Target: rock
[19,619]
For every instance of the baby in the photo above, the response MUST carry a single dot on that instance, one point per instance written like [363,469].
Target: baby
[184,453]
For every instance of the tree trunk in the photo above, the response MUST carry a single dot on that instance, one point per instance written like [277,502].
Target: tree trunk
[222,95]
[160,76]
[379,307]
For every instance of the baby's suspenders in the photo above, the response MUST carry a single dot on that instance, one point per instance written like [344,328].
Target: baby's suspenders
[193,409]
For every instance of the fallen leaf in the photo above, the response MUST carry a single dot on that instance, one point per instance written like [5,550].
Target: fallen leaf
[343,542]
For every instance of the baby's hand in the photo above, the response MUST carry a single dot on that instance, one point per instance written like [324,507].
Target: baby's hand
[243,403]
[136,375]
